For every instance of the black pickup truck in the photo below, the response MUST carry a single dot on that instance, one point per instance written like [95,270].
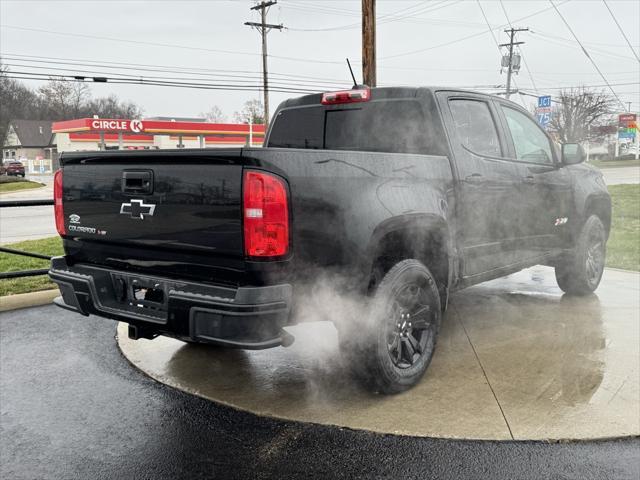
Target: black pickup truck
[397,196]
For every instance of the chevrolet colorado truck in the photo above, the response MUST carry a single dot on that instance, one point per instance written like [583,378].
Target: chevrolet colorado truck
[399,195]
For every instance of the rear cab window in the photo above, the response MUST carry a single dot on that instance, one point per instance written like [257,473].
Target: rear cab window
[390,125]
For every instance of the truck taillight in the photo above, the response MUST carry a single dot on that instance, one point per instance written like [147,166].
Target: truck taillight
[265,215]
[346,96]
[57,203]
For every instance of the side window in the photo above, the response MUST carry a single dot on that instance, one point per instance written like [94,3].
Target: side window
[531,144]
[475,127]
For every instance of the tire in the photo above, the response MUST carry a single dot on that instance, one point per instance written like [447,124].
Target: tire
[581,271]
[395,345]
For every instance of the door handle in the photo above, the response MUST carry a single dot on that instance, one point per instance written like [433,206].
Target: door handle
[474,178]
[529,179]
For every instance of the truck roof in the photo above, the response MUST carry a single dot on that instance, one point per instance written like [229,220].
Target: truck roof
[380,93]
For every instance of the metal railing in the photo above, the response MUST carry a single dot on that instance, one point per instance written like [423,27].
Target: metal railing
[24,273]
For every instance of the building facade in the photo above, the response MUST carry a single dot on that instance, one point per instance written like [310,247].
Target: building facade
[32,143]
[87,134]
[37,144]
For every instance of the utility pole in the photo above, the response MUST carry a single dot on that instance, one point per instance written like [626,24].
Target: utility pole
[512,66]
[369,42]
[263,27]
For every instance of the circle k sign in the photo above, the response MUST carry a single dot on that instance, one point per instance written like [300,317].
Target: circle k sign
[136,126]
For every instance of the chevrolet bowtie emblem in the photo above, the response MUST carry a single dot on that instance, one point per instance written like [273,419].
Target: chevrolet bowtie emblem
[137,209]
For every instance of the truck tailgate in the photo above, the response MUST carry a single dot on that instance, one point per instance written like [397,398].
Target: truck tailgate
[127,207]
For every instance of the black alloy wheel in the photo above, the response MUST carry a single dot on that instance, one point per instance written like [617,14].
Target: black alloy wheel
[411,326]
[595,256]
[580,273]
[397,342]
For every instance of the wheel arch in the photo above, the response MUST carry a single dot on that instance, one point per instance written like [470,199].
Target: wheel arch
[599,205]
[421,236]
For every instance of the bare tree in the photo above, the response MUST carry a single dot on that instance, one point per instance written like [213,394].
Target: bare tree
[59,99]
[214,115]
[64,98]
[111,107]
[252,112]
[16,101]
[578,111]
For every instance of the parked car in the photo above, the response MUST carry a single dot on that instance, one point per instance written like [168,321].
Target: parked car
[12,168]
[628,153]
[399,196]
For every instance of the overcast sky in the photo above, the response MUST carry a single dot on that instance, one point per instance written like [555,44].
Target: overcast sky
[436,42]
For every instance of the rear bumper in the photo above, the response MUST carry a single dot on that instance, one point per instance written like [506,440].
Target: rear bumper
[244,317]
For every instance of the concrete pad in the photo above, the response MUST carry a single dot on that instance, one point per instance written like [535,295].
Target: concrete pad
[515,359]
[561,366]
[24,300]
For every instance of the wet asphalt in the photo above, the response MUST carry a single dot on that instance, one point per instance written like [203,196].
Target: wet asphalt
[72,407]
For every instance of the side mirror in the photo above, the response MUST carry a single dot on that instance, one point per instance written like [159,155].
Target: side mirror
[572,153]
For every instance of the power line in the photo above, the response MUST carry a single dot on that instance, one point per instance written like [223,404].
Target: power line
[142,81]
[593,85]
[493,35]
[567,42]
[133,66]
[295,59]
[407,17]
[474,35]
[495,39]
[124,40]
[587,54]
[199,71]
[170,45]
[220,86]
[242,81]
[388,18]
[621,30]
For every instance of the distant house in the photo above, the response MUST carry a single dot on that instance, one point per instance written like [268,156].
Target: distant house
[31,142]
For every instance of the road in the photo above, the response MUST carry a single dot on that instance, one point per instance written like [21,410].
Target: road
[29,223]
[26,223]
[72,407]
[621,175]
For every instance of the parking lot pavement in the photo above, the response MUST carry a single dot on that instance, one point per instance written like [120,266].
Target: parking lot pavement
[72,407]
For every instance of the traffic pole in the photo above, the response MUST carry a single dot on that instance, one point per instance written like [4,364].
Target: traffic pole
[637,136]
[264,28]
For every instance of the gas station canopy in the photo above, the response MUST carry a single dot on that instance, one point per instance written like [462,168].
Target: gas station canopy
[149,133]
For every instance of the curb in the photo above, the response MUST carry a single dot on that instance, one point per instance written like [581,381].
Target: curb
[25,300]
[622,270]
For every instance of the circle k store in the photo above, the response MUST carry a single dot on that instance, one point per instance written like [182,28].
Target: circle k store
[154,133]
